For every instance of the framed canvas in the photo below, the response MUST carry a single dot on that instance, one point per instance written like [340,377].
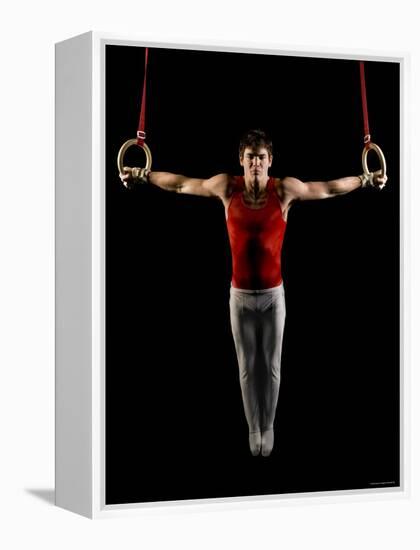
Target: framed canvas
[229,323]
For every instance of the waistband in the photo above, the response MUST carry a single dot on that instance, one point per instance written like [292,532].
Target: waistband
[274,289]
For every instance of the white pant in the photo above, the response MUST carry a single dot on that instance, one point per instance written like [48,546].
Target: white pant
[257,319]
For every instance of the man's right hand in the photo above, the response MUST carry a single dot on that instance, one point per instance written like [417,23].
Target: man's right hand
[132,176]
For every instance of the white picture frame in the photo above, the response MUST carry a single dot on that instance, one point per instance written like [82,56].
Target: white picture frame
[81,278]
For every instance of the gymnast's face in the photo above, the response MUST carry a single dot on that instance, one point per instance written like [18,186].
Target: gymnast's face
[256,161]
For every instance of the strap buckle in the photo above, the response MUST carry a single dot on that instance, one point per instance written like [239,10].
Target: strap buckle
[141,135]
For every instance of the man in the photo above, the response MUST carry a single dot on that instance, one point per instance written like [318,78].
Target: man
[256,208]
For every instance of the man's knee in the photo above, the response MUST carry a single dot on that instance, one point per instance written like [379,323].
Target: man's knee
[247,367]
[275,371]
[272,368]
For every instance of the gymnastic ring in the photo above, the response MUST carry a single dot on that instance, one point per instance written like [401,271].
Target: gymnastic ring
[122,151]
[381,157]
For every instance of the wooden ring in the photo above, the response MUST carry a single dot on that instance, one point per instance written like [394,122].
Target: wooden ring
[372,146]
[123,150]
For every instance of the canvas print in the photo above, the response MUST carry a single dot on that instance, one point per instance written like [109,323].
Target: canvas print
[252,274]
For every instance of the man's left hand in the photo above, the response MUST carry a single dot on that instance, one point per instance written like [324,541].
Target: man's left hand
[378,180]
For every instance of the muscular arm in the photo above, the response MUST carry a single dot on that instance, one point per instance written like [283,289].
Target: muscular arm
[183,184]
[313,190]
[215,186]
[294,189]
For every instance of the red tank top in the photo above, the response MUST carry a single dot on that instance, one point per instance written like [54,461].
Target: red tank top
[256,237]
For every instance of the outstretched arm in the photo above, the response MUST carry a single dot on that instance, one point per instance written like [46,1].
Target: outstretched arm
[295,189]
[211,187]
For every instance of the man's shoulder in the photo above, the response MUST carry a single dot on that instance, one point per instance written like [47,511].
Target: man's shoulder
[224,180]
[286,183]
[223,177]
[220,184]
[288,188]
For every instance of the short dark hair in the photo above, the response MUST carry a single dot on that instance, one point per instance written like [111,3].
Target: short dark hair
[255,139]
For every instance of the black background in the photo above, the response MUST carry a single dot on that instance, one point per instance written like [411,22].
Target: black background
[175,427]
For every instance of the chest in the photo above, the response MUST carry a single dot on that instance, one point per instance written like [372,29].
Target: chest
[261,220]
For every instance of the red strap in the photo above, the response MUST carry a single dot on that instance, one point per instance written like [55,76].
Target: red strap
[364,102]
[141,133]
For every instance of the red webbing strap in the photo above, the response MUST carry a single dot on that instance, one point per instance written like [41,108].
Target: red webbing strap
[141,133]
[364,102]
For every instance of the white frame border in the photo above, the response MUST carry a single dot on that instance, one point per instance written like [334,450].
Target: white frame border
[99,508]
